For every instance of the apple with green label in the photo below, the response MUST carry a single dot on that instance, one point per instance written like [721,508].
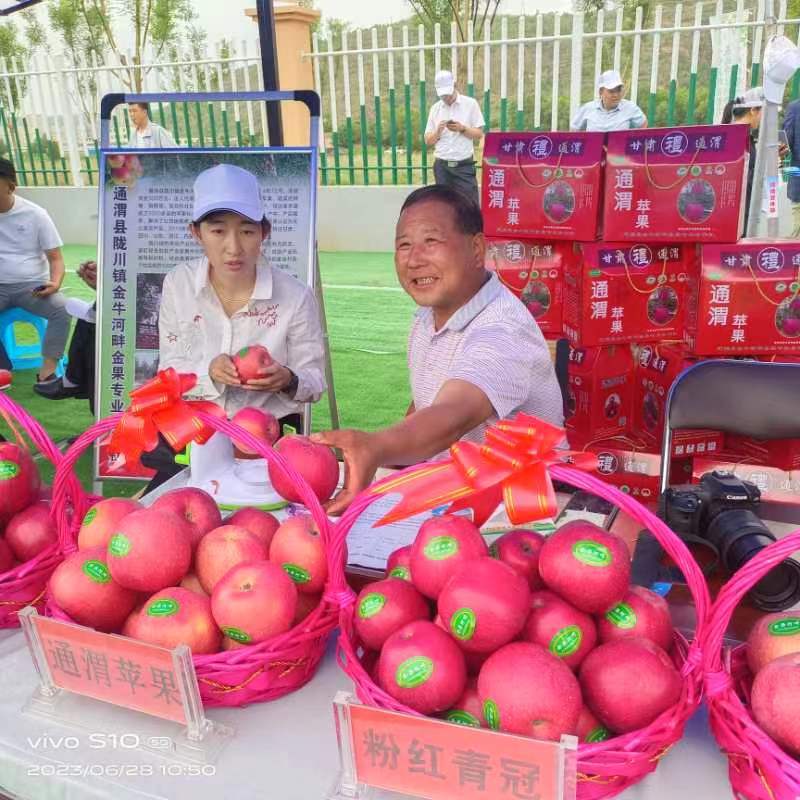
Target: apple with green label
[525,689]
[520,549]
[316,464]
[569,634]
[467,710]
[640,613]
[83,588]
[628,683]
[7,559]
[150,550]
[398,565]
[100,522]
[254,601]
[176,616]
[590,730]
[773,636]
[586,565]
[31,531]
[484,605]
[422,667]
[251,362]
[775,701]
[260,523]
[384,607]
[222,549]
[197,508]
[19,479]
[298,547]
[441,546]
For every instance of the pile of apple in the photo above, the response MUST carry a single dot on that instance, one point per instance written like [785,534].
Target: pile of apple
[27,529]
[537,637]
[773,655]
[176,573]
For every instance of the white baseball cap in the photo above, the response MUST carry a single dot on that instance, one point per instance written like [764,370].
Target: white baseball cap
[227,187]
[752,98]
[444,82]
[781,60]
[609,79]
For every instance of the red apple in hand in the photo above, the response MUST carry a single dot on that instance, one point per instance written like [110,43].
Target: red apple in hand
[316,463]
[384,607]
[520,550]
[251,362]
[222,549]
[298,548]
[261,424]
[254,601]
[19,479]
[100,522]
[83,588]
[260,523]
[31,532]
[196,507]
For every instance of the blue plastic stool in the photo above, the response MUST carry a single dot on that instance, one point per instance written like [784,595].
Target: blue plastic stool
[25,356]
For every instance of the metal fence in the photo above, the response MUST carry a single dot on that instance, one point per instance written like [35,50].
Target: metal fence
[681,63]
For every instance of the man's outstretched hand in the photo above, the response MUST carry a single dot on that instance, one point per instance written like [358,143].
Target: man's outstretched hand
[361,461]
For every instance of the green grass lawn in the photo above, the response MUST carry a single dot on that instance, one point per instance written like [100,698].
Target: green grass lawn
[368,321]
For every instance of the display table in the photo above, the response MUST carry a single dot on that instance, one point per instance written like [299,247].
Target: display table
[284,750]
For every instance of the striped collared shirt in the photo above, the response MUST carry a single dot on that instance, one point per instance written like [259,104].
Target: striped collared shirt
[493,343]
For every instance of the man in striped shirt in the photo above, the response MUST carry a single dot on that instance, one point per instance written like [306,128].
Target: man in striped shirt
[475,354]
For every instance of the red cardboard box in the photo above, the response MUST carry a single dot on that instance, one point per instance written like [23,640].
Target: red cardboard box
[676,184]
[534,272]
[543,185]
[600,391]
[628,293]
[781,453]
[776,485]
[747,301]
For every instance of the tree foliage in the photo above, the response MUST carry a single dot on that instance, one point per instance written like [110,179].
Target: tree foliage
[462,12]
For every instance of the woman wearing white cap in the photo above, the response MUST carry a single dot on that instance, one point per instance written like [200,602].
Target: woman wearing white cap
[216,305]
[610,111]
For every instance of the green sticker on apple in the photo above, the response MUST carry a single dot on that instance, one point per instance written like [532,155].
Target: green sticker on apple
[593,554]
[461,717]
[566,641]
[404,573]
[463,623]
[90,515]
[237,635]
[371,604]
[623,616]
[120,545]
[598,735]
[243,352]
[8,469]
[441,547]
[297,574]
[164,607]
[491,714]
[414,672]
[96,571]
[785,627]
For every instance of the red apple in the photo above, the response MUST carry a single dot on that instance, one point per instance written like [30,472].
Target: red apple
[467,710]
[19,479]
[791,326]
[586,565]
[566,632]
[442,545]
[775,701]
[590,730]
[254,601]
[640,613]
[628,683]
[773,636]
[222,549]
[398,565]
[192,583]
[316,463]
[306,603]
[150,550]
[100,522]
[251,362]
[176,616]
[520,550]
[196,507]
[299,549]
[484,604]
[261,424]
[83,588]
[386,606]
[260,523]
[31,531]
[526,690]
[7,559]
[422,667]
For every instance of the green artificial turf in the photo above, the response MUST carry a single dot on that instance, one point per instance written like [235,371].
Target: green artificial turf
[368,320]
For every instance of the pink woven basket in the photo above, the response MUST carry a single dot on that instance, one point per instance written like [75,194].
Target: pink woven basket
[606,768]
[25,584]
[757,767]
[254,673]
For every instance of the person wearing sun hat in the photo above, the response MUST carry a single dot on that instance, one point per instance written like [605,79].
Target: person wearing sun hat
[231,298]
[609,111]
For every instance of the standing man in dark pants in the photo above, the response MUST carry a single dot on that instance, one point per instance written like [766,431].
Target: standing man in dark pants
[455,123]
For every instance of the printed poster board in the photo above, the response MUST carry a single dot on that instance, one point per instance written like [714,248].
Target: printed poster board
[146,202]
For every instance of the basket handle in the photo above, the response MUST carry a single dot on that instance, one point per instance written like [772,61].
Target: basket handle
[734,590]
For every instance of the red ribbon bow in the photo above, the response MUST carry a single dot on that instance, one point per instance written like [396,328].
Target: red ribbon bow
[511,465]
[158,407]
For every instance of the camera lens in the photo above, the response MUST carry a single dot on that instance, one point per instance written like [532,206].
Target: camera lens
[738,535]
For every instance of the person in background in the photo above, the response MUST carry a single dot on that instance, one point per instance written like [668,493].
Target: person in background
[147,134]
[791,125]
[455,124]
[32,268]
[475,354]
[610,111]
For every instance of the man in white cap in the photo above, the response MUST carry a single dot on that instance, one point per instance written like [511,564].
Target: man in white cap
[455,123]
[610,111]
